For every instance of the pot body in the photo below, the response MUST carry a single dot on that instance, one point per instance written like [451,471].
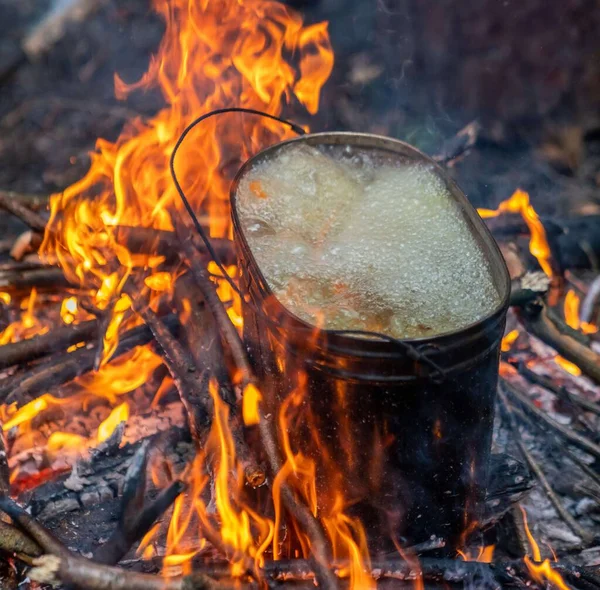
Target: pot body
[401,430]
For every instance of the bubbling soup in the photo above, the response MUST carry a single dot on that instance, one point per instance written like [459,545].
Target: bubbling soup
[347,240]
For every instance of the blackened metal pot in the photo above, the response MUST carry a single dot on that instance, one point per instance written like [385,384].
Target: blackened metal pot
[407,425]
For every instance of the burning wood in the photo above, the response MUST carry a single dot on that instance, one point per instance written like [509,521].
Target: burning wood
[267,481]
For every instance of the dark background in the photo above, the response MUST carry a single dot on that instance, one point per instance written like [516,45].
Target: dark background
[419,70]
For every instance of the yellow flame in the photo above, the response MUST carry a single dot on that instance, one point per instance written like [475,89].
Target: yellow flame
[250,400]
[542,570]
[68,310]
[509,340]
[59,441]
[571,311]
[538,244]
[28,325]
[107,427]
[568,366]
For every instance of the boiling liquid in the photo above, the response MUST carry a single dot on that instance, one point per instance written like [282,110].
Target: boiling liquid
[347,243]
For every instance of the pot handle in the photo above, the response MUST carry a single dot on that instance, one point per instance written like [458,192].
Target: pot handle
[294,126]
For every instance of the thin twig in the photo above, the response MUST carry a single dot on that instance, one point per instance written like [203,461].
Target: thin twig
[566,433]
[584,535]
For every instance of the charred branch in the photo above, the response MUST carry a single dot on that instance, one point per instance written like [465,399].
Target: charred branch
[204,344]
[574,242]
[39,346]
[145,240]
[536,320]
[458,146]
[43,279]
[64,367]
[191,384]
[233,342]
[102,477]
[134,527]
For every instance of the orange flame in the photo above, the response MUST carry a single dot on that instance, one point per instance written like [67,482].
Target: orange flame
[484,555]
[542,570]
[28,325]
[213,55]
[571,311]
[251,398]
[568,366]
[538,244]
[509,340]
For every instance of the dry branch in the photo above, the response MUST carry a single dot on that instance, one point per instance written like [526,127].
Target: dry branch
[10,202]
[43,279]
[235,346]
[38,346]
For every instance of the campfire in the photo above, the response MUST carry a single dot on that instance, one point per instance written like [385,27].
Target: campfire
[150,414]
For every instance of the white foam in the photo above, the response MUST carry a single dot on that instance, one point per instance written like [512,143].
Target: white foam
[348,244]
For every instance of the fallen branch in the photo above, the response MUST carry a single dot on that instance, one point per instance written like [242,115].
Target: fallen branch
[534,317]
[10,201]
[39,346]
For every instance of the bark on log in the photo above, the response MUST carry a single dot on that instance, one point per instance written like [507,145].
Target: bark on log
[43,279]
[38,346]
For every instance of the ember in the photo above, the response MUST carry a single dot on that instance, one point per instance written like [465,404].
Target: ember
[159,404]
